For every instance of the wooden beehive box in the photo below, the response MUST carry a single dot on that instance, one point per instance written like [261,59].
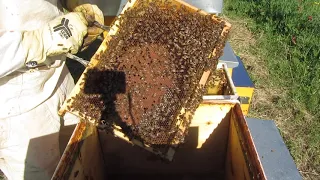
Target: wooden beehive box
[227,151]
[222,88]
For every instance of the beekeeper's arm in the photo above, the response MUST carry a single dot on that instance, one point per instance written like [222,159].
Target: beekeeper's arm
[61,35]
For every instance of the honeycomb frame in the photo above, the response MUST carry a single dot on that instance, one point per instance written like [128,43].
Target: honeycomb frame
[117,130]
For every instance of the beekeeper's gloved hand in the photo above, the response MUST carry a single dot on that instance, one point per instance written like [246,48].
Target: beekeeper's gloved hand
[92,13]
[61,35]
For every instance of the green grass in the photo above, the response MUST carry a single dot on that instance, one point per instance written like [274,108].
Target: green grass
[288,41]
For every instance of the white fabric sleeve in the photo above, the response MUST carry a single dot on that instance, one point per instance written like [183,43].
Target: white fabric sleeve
[12,54]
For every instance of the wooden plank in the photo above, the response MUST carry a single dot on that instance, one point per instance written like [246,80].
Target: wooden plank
[207,118]
[236,167]
[242,160]
[83,157]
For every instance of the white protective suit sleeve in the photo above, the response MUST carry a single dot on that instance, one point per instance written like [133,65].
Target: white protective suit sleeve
[29,143]
[11,52]
[29,100]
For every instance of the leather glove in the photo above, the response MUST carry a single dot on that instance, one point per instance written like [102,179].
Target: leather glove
[92,13]
[62,35]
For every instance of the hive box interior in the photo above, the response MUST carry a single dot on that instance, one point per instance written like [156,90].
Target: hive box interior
[125,161]
[219,146]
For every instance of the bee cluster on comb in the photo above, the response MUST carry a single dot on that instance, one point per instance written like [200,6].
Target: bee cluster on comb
[218,80]
[147,80]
